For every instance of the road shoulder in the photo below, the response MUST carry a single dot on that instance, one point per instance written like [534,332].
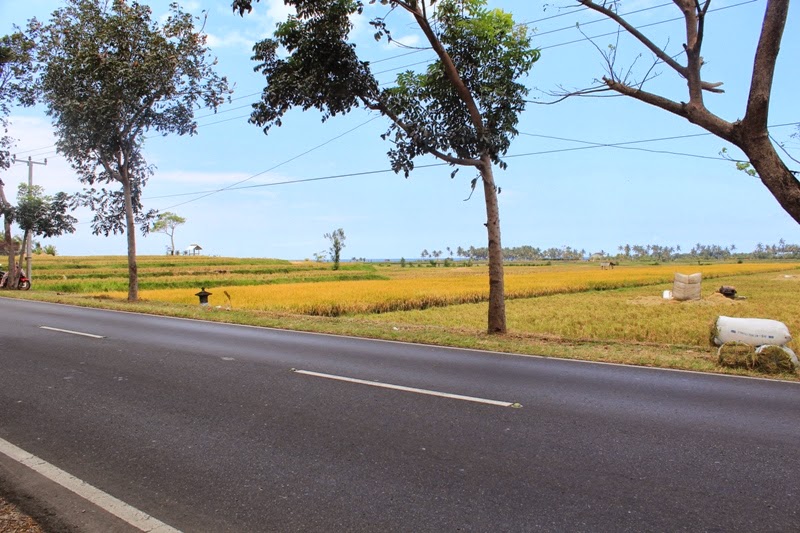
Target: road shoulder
[54,508]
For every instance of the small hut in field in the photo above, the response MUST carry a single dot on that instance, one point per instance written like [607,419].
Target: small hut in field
[193,249]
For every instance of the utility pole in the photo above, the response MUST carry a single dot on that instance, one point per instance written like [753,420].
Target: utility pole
[28,247]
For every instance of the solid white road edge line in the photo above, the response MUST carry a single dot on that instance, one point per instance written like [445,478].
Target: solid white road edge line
[407,389]
[105,501]
[73,332]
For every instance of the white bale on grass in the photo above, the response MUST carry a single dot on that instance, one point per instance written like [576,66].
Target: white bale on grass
[752,331]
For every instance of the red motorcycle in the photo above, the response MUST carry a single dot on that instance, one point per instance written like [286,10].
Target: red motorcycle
[24,283]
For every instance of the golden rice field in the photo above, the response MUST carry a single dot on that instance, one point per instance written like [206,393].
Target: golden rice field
[562,309]
[437,287]
[635,314]
[81,275]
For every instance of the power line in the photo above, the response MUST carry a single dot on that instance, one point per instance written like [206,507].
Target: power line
[591,145]
[604,19]
[745,2]
[584,39]
[551,17]
[428,62]
[622,145]
[232,186]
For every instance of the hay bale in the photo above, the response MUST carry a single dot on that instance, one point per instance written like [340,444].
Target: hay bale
[686,287]
[735,355]
[713,338]
[772,359]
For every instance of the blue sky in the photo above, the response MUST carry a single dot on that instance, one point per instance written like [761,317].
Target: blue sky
[595,198]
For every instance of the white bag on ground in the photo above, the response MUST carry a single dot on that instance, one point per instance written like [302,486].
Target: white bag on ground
[752,331]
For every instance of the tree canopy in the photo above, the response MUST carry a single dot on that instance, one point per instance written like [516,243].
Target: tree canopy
[463,109]
[39,215]
[109,75]
[16,85]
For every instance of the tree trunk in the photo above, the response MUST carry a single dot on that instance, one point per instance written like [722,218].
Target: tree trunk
[26,246]
[133,276]
[497,303]
[773,172]
[12,277]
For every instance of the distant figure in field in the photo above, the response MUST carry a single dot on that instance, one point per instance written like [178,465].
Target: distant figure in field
[605,265]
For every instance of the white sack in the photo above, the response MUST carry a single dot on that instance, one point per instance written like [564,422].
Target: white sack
[752,331]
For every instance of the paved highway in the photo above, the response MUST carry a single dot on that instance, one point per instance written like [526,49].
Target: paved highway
[211,427]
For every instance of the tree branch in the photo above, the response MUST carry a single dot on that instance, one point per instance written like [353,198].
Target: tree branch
[650,45]
[663,56]
[449,68]
[588,92]
[769,44]
[648,98]
[384,109]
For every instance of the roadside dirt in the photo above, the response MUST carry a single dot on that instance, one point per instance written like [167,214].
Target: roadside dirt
[13,520]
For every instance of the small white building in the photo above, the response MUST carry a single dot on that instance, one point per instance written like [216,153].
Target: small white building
[193,249]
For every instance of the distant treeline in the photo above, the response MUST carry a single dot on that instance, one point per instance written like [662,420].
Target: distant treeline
[632,252]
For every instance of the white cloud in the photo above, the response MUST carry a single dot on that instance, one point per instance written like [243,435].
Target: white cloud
[278,11]
[37,142]
[230,40]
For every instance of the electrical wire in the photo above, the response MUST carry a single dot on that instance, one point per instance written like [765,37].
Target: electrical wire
[591,145]
[234,185]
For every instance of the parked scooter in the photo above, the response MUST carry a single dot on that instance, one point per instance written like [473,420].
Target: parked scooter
[23,285]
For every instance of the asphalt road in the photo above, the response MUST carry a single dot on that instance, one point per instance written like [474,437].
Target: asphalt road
[207,428]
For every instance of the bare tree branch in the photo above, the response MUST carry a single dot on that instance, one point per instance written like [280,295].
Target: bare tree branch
[648,97]
[658,51]
[680,69]
[769,45]
[785,151]
[589,92]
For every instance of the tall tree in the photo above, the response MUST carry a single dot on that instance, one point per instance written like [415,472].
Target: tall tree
[16,85]
[37,215]
[166,223]
[750,133]
[109,75]
[336,239]
[462,110]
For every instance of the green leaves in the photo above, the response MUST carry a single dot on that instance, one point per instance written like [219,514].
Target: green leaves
[430,111]
[16,84]
[489,54]
[43,216]
[322,71]
[109,75]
